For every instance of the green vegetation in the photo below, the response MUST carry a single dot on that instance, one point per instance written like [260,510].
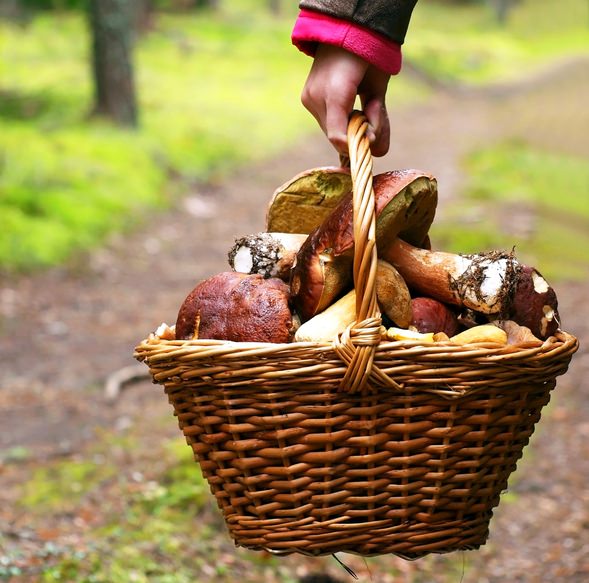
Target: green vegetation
[150,523]
[540,197]
[466,44]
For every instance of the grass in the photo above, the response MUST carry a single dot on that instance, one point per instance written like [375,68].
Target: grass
[518,192]
[135,524]
[466,44]
[215,91]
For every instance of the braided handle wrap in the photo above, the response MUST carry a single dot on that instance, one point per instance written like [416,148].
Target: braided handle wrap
[357,344]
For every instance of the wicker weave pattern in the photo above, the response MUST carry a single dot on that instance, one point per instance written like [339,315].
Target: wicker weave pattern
[359,445]
[298,465]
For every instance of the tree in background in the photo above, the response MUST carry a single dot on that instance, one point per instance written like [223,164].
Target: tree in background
[502,9]
[111,25]
[275,7]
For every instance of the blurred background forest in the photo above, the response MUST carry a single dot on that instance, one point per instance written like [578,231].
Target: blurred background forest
[123,124]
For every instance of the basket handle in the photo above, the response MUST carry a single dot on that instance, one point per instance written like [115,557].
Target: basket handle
[356,346]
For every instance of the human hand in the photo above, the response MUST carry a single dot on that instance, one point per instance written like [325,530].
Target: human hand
[335,79]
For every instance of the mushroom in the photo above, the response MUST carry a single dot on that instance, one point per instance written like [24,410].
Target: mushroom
[519,335]
[269,254]
[393,299]
[429,315]
[392,293]
[483,333]
[405,206]
[493,283]
[302,204]
[238,307]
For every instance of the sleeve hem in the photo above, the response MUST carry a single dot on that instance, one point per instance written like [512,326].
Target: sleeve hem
[312,28]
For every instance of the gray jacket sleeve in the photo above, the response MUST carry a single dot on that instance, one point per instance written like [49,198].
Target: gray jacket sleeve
[387,17]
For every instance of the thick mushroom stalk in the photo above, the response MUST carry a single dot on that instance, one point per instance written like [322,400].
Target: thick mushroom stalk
[481,282]
[269,254]
[493,283]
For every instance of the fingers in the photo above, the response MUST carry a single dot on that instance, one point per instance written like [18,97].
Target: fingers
[336,78]
[336,123]
[372,92]
[331,89]
[379,133]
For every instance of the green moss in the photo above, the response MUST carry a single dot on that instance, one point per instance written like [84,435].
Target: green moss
[207,103]
[60,486]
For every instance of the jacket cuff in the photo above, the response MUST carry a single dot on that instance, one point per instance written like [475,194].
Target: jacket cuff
[312,28]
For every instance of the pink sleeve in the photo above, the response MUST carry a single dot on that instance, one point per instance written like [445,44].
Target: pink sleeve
[312,28]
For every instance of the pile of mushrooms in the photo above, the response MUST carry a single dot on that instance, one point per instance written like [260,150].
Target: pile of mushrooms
[293,282]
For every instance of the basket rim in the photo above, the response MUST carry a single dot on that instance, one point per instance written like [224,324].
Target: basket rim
[559,339]
[405,367]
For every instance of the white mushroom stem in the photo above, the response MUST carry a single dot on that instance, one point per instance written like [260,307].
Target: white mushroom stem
[269,254]
[482,282]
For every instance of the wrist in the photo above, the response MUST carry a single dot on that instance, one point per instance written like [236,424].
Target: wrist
[314,28]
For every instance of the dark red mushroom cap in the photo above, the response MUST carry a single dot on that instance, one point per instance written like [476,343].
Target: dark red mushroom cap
[239,307]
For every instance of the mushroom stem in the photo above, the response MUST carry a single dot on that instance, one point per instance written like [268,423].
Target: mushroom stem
[483,282]
[269,254]
[492,283]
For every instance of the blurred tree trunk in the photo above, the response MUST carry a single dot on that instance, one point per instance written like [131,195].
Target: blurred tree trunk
[111,23]
[12,10]
[214,4]
[275,7]
[502,9]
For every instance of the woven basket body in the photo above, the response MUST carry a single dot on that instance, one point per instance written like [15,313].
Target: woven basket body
[298,465]
[360,445]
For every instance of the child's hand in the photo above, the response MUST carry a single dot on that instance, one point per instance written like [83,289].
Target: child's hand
[336,78]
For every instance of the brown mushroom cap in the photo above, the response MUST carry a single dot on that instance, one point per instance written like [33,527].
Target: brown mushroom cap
[535,304]
[238,307]
[301,204]
[430,315]
[405,207]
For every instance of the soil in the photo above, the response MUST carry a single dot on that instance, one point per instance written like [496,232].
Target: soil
[63,332]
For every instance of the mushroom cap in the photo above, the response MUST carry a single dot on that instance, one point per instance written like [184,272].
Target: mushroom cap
[301,204]
[238,307]
[534,304]
[430,315]
[405,204]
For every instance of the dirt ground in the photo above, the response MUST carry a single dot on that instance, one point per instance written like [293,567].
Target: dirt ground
[63,332]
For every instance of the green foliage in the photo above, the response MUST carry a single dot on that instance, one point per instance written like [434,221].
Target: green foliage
[164,522]
[535,200]
[181,488]
[464,43]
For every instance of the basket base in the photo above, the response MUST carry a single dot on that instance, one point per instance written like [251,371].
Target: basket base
[407,540]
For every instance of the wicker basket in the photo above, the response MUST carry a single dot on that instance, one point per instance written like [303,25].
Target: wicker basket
[361,446]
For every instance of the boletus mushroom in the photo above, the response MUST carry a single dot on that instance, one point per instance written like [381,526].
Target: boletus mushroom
[493,283]
[269,254]
[405,207]
[302,203]
[238,307]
